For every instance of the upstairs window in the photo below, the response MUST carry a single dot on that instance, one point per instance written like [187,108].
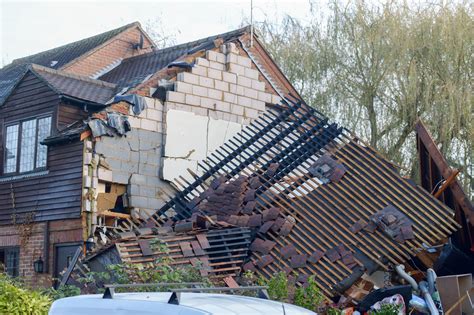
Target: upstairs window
[23,149]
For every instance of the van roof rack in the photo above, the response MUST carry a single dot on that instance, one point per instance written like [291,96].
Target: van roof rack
[192,287]
[176,295]
[110,288]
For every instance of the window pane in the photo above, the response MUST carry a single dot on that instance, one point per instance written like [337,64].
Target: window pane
[12,261]
[27,149]
[11,147]
[44,129]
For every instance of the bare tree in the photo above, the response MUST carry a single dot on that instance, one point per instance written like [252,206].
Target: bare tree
[162,37]
[377,68]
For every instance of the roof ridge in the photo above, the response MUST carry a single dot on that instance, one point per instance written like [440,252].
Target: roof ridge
[40,68]
[123,28]
[161,50]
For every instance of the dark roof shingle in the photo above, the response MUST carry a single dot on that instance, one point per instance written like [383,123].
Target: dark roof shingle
[64,54]
[10,74]
[79,87]
[134,70]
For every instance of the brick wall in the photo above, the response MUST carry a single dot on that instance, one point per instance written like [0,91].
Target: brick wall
[61,231]
[109,54]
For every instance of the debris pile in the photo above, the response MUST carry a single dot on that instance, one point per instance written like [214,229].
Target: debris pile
[293,193]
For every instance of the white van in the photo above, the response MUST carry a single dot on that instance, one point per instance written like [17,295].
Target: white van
[161,303]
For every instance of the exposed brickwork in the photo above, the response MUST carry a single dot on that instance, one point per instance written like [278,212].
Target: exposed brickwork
[61,231]
[118,48]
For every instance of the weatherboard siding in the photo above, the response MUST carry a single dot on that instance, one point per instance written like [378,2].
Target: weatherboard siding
[56,194]
[69,114]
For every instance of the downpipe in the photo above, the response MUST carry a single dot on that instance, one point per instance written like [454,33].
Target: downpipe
[424,288]
[401,272]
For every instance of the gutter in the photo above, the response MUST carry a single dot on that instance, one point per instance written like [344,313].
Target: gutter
[78,101]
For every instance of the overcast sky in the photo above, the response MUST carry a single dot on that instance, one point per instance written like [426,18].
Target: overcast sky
[28,27]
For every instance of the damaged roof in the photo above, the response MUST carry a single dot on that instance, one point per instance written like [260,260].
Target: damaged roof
[68,134]
[135,70]
[320,201]
[437,177]
[216,252]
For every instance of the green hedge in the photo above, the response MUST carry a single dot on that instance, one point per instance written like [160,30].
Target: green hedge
[16,299]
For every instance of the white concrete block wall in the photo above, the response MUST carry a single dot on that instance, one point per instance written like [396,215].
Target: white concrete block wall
[134,160]
[190,138]
[184,135]
[225,83]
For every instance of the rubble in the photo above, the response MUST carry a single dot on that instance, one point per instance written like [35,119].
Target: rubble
[307,198]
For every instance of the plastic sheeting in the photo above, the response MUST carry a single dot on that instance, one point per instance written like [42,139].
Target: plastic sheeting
[99,128]
[115,124]
[118,122]
[138,103]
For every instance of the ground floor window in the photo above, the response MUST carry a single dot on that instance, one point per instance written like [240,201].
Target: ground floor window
[10,259]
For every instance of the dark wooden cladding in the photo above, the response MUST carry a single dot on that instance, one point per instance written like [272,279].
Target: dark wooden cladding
[56,194]
[433,170]
[69,114]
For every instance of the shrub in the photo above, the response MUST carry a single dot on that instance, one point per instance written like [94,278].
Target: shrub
[309,297]
[279,287]
[16,299]
[62,292]
[162,270]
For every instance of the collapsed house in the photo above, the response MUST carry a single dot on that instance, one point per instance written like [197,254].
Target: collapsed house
[94,131]
[291,192]
[112,145]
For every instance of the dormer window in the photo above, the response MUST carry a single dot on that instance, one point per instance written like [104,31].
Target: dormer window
[23,149]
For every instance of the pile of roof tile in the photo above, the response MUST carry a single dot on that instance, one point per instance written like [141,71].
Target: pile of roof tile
[216,251]
[306,196]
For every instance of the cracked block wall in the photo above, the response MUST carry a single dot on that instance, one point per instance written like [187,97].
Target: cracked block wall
[133,160]
[224,85]
[209,105]
[190,138]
